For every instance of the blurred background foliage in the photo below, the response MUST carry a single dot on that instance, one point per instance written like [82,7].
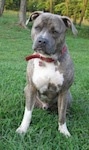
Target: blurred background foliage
[77,10]
[71,8]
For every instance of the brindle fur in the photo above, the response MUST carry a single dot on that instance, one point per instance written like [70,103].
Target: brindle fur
[47,22]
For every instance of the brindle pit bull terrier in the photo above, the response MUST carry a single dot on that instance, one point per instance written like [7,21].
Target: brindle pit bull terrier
[50,69]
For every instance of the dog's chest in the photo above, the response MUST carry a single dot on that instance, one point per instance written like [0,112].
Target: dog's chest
[45,74]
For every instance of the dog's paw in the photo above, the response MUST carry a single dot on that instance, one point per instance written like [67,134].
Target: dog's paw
[20,130]
[63,129]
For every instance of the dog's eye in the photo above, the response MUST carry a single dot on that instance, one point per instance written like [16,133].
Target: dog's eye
[55,32]
[38,28]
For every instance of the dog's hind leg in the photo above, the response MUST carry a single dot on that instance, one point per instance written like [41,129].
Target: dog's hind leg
[69,97]
[41,104]
[30,93]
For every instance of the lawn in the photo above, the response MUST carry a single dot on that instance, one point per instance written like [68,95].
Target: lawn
[15,45]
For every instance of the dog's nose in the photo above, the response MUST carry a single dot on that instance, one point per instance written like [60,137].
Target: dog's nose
[42,41]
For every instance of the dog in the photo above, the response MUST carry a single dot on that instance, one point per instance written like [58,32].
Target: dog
[50,70]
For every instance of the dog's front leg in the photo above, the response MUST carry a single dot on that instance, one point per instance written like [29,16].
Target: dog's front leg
[30,93]
[62,108]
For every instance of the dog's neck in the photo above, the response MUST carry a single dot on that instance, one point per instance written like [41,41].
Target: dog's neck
[46,58]
[64,49]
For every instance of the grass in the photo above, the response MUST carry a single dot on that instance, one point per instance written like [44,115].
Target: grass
[15,45]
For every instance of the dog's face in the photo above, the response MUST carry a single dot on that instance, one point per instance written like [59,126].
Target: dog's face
[48,32]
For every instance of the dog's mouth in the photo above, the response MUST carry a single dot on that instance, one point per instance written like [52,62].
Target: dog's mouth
[45,51]
[41,50]
[38,49]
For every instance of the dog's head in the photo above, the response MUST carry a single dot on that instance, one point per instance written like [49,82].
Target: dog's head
[48,32]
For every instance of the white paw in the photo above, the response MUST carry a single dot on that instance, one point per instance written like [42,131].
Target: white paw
[20,130]
[63,129]
[25,122]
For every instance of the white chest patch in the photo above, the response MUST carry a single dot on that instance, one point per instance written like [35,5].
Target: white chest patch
[43,75]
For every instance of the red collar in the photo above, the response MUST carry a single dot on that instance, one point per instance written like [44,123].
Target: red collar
[46,59]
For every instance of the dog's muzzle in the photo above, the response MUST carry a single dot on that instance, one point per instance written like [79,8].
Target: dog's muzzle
[43,45]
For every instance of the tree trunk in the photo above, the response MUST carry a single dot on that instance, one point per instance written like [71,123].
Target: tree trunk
[51,6]
[75,17]
[67,7]
[22,13]
[83,11]
[2,3]
[74,20]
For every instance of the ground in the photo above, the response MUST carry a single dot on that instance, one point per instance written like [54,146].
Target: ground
[15,45]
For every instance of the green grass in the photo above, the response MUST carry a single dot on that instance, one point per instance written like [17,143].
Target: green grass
[15,45]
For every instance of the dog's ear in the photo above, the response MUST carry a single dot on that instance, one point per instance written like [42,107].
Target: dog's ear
[33,16]
[68,23]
